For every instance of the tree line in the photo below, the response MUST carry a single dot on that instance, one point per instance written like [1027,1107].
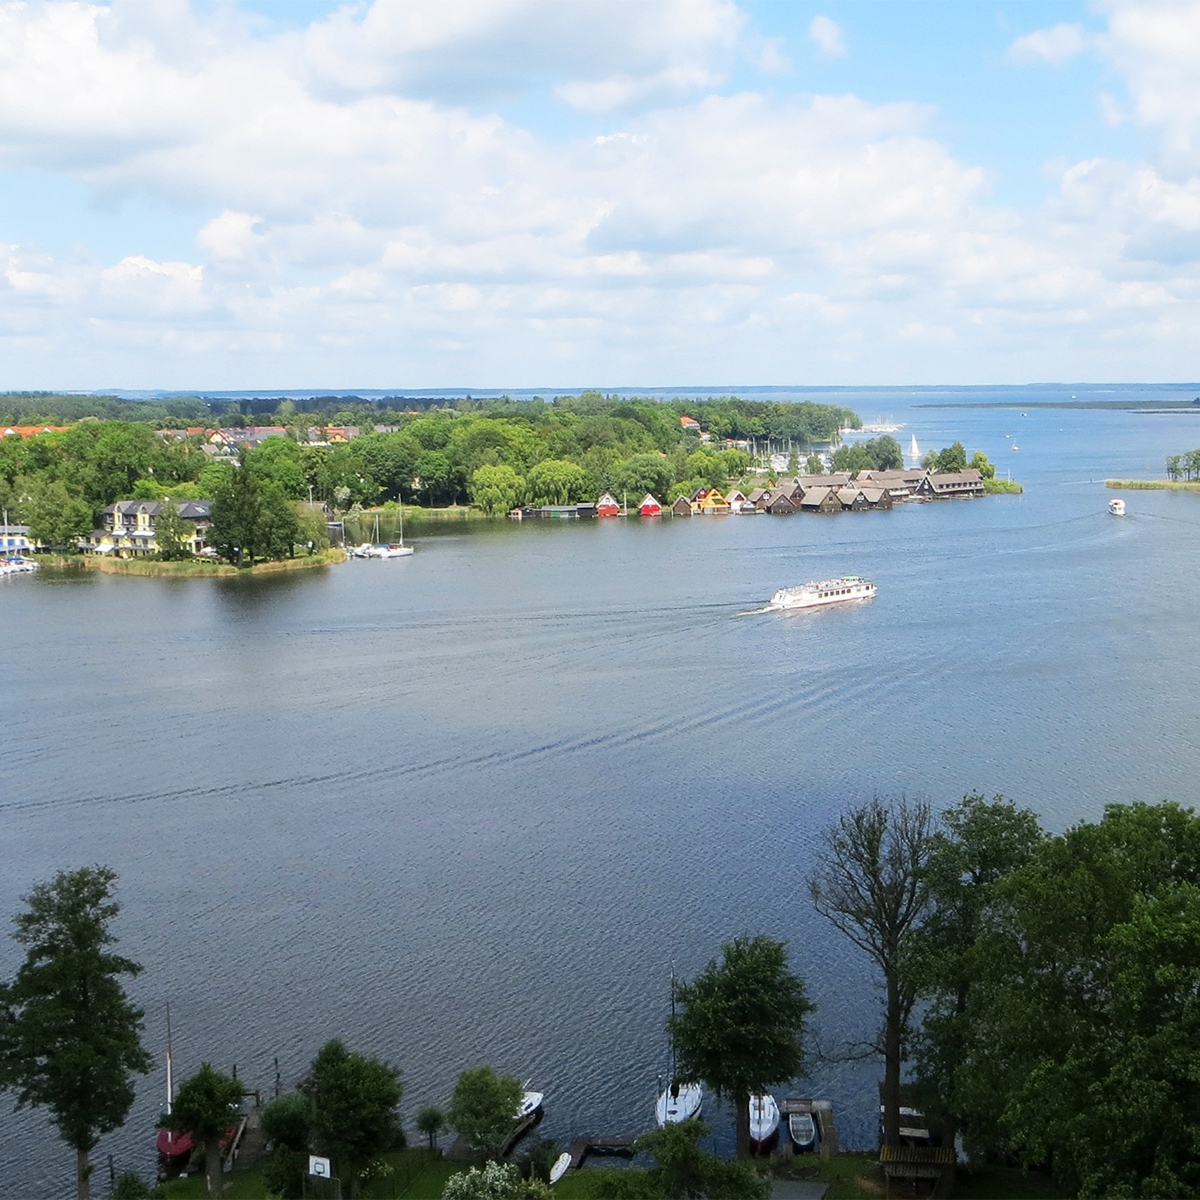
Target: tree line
[1041,993]
[1184,466]
[496,455]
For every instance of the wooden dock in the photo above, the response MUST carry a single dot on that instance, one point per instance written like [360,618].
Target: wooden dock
[822,1114]
[461,1152]
[581,1147]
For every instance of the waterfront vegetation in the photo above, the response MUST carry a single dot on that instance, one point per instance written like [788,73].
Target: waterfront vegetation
[493,454]
[1153,485]
[1039,989]
[1002,487]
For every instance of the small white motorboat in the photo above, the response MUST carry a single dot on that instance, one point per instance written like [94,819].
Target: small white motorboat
[803,1130]
[764,1118]
[561,1164]
[1116,506]
[679,1102]
[530,1103]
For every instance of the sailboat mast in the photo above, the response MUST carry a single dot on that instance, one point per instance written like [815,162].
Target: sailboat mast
[170,1080]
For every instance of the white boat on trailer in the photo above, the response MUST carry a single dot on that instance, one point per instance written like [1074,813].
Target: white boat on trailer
[764,1118]
[817,593]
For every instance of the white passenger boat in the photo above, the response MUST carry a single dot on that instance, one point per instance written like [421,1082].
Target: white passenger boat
[803,1130]
[827,591]
[764,1118]
[1116,506]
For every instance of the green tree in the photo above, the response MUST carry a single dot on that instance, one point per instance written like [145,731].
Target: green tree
[870,884]
[252,519]
[70,1040]
[953,458]
[683,1170]
[643,473]
[431,1121]
[557,481]
[853,458]
[496,489]
[981,463]
[484,1107]
[742,1025]
[171,533]
[355,1098]
[206,1107]
[1087,989]
[814,466]
[55,517]
[980,843]
[287,1123]
[885,453]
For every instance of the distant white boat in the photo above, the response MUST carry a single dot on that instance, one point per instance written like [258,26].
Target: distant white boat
[914,451]
[764,1118]
[1116,506]
[561,1163]
[1015,448]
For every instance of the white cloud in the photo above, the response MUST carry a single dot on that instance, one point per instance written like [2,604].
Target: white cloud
[1057,45]
[371,225]
[827,35]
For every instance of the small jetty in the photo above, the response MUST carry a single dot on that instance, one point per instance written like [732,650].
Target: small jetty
[460,1152]
[822,1114]
[614,1144]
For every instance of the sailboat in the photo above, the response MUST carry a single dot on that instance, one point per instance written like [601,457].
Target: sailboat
[914,451]
[764,1119]
[678,1101]
[174,1148]
[378,549]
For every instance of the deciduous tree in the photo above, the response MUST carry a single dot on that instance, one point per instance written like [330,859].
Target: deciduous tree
[742,1025]
[70,1040]
[206,1107]
[870,883]
[484,1107]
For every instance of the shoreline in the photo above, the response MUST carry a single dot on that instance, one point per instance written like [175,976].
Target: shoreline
[191,568]
[1154,485]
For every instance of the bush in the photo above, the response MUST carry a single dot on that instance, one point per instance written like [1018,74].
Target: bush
[497,1181]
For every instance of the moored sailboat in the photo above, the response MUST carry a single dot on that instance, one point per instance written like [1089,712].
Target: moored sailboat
[174,1146]
[764,1119]
[680,1100]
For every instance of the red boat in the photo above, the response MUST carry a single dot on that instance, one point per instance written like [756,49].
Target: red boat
[173,1147]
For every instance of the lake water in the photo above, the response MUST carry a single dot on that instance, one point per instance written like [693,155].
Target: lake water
[469,807]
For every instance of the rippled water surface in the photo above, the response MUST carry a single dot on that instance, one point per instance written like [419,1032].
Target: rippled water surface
[469,806]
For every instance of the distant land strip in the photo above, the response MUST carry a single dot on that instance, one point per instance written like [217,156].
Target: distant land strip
[1154,485]
[1145,406]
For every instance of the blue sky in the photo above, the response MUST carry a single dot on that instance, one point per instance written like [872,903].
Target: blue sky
[521,192]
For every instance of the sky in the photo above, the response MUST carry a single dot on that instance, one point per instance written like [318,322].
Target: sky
[256,194]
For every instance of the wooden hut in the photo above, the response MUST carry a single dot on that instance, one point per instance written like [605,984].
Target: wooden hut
[736,501]
[852,499]
[877,497]
[649,507]
[952,484]
[709,502]
[821,500]
[607,506]
[780,505]
[682,507]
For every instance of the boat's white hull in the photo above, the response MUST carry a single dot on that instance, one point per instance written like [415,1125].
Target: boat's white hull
[803,1131]
[682,1106]
[820,594]
[764,1118]
[1117,507]
[530,1103]
[561,1165]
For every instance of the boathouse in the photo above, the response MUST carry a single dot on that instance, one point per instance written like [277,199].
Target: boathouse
[821,500]
[952,484]
[877,497]
[607,506]
[709,502]
[737,501]
[760,498]
[852,499]
[900,484]
[781,505]
[649,507]
[682,507]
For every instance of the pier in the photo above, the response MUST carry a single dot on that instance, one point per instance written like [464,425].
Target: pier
[822,1114]
[460,1152]
[581,1147]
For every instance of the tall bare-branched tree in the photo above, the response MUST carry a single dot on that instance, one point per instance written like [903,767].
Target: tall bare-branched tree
[869,882]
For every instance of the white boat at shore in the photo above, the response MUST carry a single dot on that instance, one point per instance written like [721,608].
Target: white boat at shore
[679,1102]
[530,1103]
[1116,506]
[803,1130]
[764,1118]
[561,1164]
[817,593]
